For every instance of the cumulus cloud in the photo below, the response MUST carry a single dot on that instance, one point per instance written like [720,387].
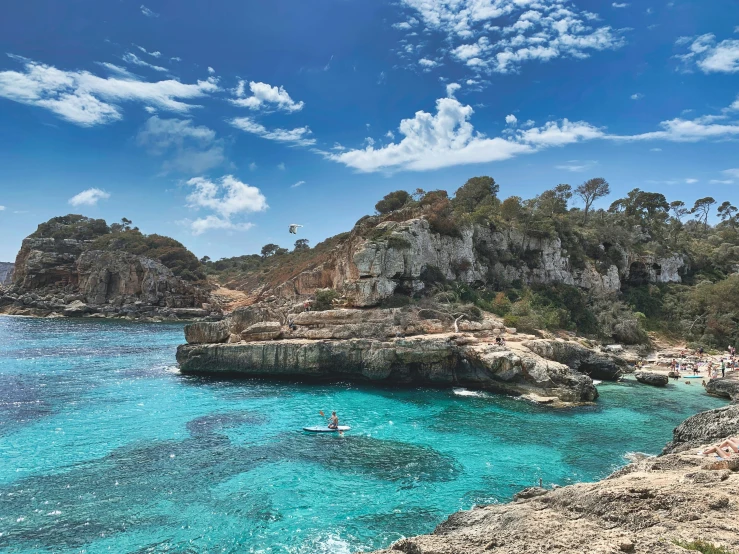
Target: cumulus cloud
[2,208]
[227,197]
[511,120]
[427,64]
[447,138]
[710,56]
[501,35]
[298,136]
[264,96]
[86,99]
[637,96]
[189,148]
[89,197]
[620,5]
[147,12]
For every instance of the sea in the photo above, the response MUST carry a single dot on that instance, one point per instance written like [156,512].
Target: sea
[106,447]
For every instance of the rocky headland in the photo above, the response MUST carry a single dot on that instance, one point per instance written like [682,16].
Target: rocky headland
[65,270]
[667,504]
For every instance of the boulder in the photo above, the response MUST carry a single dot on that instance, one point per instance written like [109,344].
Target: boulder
[576,356]
[268,330]
[76,309]
[205,332]
[705,428]
[724,388]
[651,378]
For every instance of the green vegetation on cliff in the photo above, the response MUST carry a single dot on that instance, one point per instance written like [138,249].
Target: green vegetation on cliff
[122,237]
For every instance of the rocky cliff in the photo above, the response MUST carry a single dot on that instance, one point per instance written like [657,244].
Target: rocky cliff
[659,505]
[380,258]
[65,277]
[6,273]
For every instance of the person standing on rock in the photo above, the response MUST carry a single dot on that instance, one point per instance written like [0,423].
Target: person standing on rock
[723,368]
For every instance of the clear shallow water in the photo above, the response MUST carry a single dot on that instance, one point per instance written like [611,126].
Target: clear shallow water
[106,448]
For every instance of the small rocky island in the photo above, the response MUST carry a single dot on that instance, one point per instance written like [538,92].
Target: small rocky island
[75,266]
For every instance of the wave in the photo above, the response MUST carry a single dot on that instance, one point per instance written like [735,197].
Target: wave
[465,392]
[636,456]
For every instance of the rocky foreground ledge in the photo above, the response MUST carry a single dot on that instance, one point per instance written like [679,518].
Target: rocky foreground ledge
[375,346]
[648,507]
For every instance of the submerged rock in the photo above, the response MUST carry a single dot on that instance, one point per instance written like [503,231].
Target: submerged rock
[651,378]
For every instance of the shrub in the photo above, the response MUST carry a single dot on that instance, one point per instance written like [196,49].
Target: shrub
[392,201]
[702,546]
[324,299]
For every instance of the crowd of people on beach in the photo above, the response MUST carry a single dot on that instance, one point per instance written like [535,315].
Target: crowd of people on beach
[697,364]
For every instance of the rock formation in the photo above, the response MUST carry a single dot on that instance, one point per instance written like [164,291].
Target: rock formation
[648,507]
[6,273]
[724,387]
[601,366]
[651,378]
[65,277]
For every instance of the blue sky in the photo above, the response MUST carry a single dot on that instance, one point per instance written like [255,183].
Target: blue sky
[219,123]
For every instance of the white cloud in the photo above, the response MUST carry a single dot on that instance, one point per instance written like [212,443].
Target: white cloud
[637,96]
[721,182]
[191,149]
[2,208]
[156,54]
[576,166]
[296,185]
[501,35]
[709,56]
[89,197]
[731,172]
[135,60]
[690,181]
[452,88]
[147,12]
[298,136]
[265,96]
[211,70]
[511,120]
[682,130]
[86,99]
[227,197]
[655,150]
[252,166]
[389,135]
[428,64]
[281,166]
[620,5]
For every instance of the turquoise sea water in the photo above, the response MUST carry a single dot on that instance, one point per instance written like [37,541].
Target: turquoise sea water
[106,448]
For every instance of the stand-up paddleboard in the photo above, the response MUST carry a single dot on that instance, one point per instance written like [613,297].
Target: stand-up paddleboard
[324,429]
[693,377]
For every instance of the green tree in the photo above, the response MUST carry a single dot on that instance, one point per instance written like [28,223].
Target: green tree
[554,201]
[204,259]
[591,190]
[702,208]
[475,191]
[302,244]
[511,208]
[727,212]
[269,250]
[392,201]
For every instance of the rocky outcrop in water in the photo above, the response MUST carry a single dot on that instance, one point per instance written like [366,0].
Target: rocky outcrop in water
[651,378]
[648,507]
[63,277]
[725,388]
[603,366]
[436,360]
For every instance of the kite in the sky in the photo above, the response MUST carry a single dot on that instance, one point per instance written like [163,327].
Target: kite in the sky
[294,228]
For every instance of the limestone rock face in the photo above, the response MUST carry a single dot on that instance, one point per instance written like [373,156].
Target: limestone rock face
[650,378]
[442,360]
[390,257]
[705,428]
[725,388]
[598,366]
[204,332]
[268,330]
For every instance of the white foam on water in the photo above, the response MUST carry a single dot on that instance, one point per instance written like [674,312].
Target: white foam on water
[465,392]
[636,456]
[596,382]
